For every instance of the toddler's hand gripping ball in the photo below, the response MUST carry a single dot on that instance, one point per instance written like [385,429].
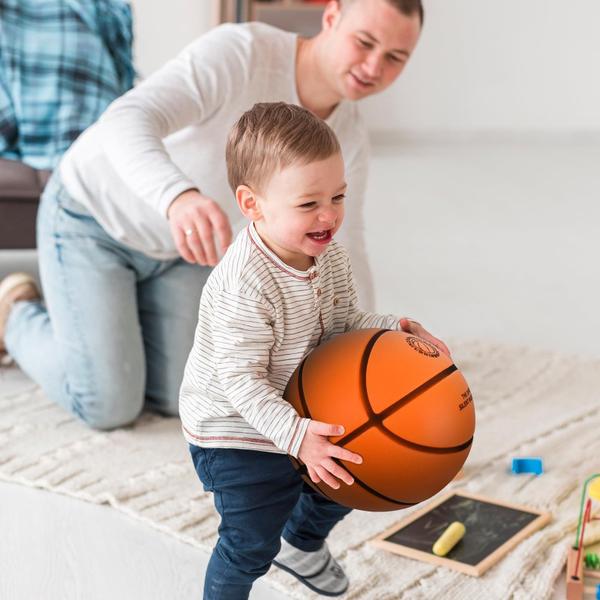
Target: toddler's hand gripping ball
[405,408]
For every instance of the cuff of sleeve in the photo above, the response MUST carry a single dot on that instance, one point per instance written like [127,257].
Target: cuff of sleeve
[393,323]
[171,192]
[298,436]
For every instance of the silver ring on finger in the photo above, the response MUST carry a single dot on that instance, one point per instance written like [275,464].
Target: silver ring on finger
[188,231]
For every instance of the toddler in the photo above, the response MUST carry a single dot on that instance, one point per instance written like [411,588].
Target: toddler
[283,287]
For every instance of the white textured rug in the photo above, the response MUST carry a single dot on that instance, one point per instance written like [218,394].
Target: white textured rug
[527,403]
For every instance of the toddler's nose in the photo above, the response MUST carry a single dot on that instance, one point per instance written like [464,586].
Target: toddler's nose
[328,218]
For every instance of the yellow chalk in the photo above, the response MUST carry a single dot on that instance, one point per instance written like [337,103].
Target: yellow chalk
[594,489]
[451,536]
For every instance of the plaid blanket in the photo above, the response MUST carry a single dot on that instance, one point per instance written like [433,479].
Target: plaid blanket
[61,64]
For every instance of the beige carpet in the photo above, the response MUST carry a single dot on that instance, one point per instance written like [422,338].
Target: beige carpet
[527,403]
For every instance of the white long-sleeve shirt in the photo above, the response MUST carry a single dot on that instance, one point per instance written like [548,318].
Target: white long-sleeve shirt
[258,319]
[168,135]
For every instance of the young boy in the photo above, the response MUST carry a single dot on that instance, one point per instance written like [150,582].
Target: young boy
[283,287]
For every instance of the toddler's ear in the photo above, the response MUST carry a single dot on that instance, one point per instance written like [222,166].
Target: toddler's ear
[246,200]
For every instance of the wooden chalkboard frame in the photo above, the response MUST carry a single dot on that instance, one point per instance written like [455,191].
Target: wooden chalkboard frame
[542,519]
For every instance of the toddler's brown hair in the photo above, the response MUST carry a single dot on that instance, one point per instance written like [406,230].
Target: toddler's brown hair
[271,136]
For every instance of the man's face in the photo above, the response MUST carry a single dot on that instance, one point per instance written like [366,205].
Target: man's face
[368,45]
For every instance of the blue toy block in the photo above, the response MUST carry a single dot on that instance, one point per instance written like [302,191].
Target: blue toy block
[527,465]
[598,592]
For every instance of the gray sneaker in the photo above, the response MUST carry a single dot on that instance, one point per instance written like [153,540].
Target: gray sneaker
[318,570]
[17,287]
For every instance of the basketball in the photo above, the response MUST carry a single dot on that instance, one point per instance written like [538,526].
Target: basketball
[405,408]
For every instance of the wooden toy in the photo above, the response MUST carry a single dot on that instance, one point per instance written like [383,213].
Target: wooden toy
[575,562]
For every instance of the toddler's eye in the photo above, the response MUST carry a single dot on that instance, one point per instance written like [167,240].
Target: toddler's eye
[307,205]
[339,198]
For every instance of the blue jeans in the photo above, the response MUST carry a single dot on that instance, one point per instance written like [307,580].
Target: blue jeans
[260,497]
[117,326]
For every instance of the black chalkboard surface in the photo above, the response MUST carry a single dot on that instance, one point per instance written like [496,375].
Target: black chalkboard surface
[492,528]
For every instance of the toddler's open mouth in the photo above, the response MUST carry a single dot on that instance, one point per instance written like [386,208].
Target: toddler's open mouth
[321,237]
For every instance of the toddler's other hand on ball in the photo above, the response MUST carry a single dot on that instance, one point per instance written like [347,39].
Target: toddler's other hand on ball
[317,453]
[417,329]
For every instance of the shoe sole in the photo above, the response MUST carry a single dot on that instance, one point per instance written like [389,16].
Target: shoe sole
[8,284]
[307,583]
[12,281]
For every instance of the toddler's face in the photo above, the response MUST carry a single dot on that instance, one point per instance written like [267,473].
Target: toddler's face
[302,207]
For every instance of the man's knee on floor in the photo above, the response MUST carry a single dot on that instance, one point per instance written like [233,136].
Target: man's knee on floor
[167,406]
[107,422]
[105,412]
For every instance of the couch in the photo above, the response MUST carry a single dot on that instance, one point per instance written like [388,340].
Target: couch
[20,190]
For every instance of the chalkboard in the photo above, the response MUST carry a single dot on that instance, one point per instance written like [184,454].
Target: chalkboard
[492,528]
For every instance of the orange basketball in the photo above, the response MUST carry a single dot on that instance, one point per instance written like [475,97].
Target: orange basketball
[405,408]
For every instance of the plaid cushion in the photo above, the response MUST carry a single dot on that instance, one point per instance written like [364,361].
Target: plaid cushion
[61,64]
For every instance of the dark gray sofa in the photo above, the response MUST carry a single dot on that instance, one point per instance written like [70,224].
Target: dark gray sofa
[20,190]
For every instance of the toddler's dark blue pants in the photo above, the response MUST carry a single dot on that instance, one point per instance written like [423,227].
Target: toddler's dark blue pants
[260,497]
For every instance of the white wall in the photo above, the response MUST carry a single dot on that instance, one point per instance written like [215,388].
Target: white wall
[163,28]
[487,239]
[485,65]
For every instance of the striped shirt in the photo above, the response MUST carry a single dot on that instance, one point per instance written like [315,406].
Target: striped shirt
[258,319]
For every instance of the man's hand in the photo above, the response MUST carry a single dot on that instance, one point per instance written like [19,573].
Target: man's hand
[417,329]
[195,220]
[317,453]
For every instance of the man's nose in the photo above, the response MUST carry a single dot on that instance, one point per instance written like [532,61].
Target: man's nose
[372,66]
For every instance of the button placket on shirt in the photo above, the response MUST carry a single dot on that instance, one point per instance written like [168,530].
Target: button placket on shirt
[314,280]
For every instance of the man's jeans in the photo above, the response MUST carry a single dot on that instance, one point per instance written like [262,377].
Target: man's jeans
[260,497]
[117,326]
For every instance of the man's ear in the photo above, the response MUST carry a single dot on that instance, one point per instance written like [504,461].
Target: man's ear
[246,200]
[332,14]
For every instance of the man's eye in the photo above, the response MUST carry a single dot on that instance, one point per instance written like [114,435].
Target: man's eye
[364,43]
[395,59]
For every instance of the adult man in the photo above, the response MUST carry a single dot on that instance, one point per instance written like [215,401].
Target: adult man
[139,207]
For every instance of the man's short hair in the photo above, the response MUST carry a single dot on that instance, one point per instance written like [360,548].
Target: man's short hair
[405,7]
[271,136]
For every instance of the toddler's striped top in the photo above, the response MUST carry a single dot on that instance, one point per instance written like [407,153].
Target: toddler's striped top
[258,319]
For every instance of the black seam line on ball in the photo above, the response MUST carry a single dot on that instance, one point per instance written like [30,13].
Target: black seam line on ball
[384,414]
[363,385]
[376,420]
[364,361]
[371,490]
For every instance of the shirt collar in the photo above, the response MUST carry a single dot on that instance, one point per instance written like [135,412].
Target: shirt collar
[281,265]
